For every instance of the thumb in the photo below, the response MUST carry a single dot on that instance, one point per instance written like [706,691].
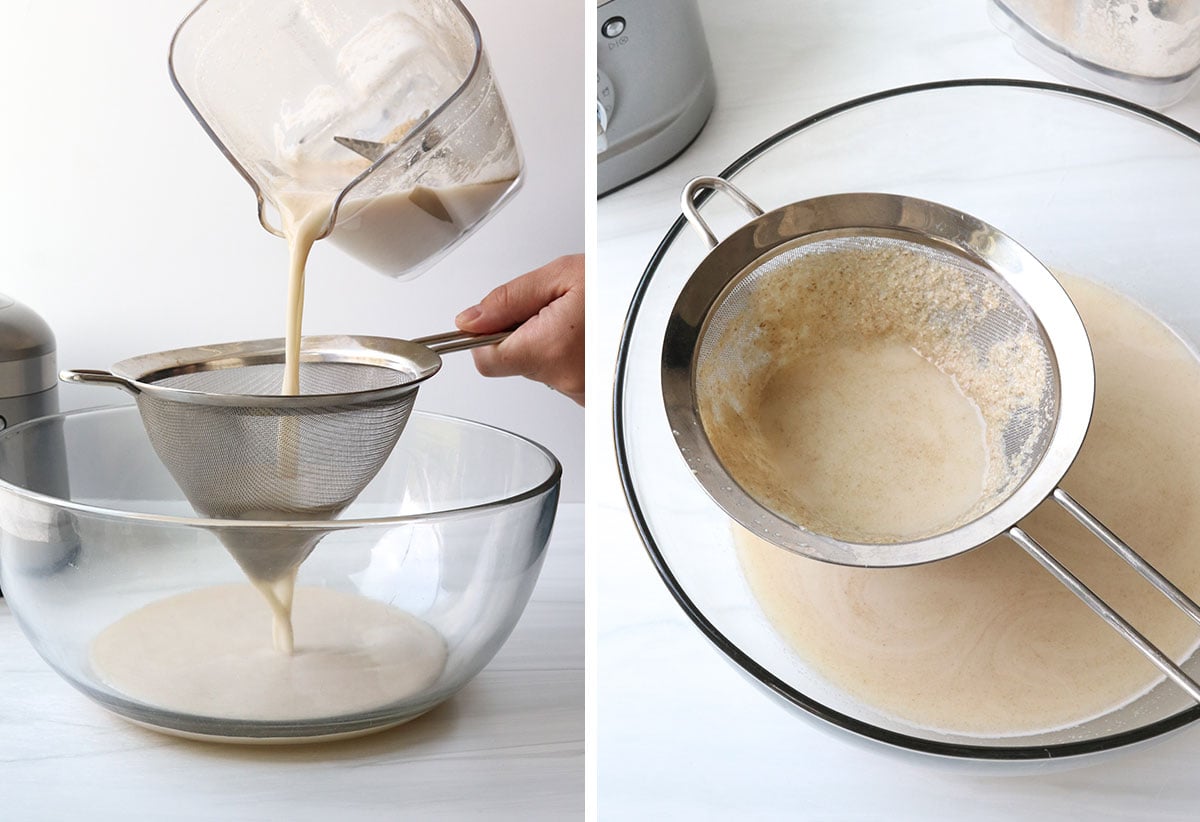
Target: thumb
[516,301]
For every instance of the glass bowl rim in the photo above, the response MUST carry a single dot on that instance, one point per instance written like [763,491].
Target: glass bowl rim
[554,476]
[762,677]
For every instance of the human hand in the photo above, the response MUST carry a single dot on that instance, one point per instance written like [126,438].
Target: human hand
[548,344]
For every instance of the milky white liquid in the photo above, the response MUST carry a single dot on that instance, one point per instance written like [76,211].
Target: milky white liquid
[873,405]
[836,357]
[163,652]
[988,643]
[207,653]
[398,231]
[394,231]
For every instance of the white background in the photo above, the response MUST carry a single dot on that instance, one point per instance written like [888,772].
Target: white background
[126,229]
[681,735]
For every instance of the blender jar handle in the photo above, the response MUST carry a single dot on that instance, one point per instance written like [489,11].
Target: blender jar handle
[692,213]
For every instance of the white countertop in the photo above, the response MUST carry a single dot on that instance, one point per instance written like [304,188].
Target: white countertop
[508,746]
[681,734]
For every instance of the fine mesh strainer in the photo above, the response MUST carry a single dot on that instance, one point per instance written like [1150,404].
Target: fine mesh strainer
[992,297]
[241,451]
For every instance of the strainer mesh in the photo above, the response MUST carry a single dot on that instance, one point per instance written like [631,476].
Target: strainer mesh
[245,461]
[955,313]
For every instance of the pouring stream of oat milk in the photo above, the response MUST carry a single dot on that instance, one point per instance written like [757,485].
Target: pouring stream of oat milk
[290,91]
[305,213]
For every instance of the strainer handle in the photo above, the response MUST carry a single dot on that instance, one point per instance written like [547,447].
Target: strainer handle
[1102,608]
[692,212]
[94,377]
[459,340]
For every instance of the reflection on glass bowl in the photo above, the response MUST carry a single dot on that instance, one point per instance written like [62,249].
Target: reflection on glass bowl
[403,600]
[1091,185]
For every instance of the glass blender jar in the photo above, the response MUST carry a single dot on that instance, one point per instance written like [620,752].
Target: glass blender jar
[386,108]
[1147,51]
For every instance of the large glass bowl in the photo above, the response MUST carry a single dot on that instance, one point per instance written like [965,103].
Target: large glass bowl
[452,531]
[1088,183]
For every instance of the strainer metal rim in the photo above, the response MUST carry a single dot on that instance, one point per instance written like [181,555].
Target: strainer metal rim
[383,352]
[805,705]
[896,216]
[552,480]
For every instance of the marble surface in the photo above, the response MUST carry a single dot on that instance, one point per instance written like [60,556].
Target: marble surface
[508,746]
[680,733]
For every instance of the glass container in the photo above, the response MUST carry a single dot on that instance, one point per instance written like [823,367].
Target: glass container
[274,82]
[1147,51]
[1088,183]
[451,533]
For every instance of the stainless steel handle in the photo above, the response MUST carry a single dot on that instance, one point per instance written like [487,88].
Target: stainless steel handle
[95,377]
[688,204]
[1121,549]
[460,340]
[1102,608]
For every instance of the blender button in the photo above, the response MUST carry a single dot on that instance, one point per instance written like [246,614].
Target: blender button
[613,27]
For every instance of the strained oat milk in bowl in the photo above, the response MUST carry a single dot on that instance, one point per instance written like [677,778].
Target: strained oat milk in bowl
[868,403]
[171,620]
[255,553]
